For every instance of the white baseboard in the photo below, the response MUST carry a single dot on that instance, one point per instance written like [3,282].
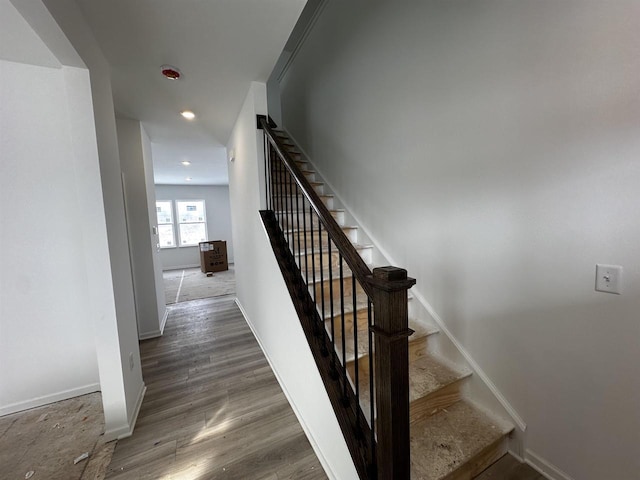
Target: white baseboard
[545,468]
[148,335]
[127,430]
[47,399]
[314,445]
[164,320]
[156,333]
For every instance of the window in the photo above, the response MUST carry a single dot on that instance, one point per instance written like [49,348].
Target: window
[192,223]
[164,211]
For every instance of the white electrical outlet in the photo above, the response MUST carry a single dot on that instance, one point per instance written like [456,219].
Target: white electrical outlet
[131,361]
[609,278]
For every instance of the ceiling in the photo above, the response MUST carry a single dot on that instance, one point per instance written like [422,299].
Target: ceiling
[220,46]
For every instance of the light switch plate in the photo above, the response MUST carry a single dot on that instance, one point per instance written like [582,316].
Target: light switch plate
[609,278]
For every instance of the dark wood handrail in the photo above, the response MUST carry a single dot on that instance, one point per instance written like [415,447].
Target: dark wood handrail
[355,262]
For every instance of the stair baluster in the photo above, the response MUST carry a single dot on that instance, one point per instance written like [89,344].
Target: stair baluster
[381,452]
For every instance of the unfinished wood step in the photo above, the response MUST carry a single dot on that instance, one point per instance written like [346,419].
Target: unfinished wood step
[321,238]
[457,443]
[278,173]
[313,257]
[337,289]
[294,154]
[417,341]
[278,169]
[361,316]
[286,222]
[288,186]
[284,202]
[432,386]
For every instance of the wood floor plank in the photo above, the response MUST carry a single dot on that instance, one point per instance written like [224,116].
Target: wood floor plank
[213,407]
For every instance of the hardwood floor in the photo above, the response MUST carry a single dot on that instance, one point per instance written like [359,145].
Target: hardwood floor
[213,408]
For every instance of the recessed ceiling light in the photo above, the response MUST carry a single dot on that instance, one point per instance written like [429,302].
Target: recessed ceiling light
[185,162]
[188,179]
[170,72]
[188,114]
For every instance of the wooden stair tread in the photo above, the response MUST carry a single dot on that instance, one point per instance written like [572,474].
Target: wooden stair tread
[454,437]
[324,232]
[324,249]
[427,375]
[335,273]
[362,304]
[421,331]
[332,210]
[300,195]
[313,183]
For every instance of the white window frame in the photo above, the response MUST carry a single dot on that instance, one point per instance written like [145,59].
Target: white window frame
[178,222]
[173,223]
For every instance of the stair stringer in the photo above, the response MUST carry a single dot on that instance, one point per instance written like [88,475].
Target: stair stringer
[478,389]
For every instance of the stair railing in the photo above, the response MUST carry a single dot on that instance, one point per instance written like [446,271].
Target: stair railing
[360,346]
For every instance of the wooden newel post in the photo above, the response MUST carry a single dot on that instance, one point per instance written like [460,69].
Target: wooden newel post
[391,334]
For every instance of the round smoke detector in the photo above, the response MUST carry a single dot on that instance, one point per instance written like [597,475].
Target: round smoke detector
[170,72]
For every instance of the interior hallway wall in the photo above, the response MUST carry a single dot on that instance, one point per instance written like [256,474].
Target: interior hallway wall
[116,335]
[51,222]
[47,351]
[218,212]
[140,205]
[491,147]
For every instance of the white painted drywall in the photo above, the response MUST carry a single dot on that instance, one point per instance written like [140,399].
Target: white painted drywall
[47,351]
[493,149]
[115,332]
[19,42]
[152,218]
[216,198]
[265,300]
[140,205]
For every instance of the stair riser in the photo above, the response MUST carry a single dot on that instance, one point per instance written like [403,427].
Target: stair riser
[311,219]
[416,348]
[290,187]
[298,202]
[476,465]
[436,401]
[279,176]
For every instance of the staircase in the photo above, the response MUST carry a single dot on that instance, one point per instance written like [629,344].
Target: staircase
[449,437]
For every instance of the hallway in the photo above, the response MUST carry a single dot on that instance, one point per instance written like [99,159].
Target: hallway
[213,408]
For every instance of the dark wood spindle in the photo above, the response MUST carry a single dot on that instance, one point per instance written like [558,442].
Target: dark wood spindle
[356,350]
[372,397]
[298,227]
[334,371]
[345,397]
[315,286]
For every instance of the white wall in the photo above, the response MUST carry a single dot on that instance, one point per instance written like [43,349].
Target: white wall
[216,198]
[52,225]
[152,220]
[46,342]
[265,300]
[140,205]
[492,148]
[115,331]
